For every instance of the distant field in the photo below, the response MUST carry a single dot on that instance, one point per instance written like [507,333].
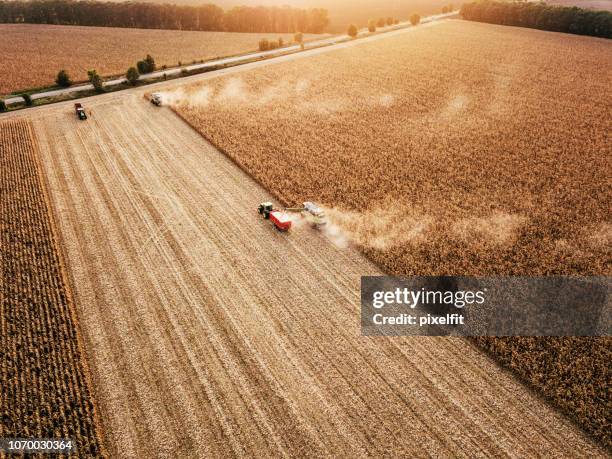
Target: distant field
[458,148]
[31,55]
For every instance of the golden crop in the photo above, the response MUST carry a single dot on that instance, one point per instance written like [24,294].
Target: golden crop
[483,134]
[32,54]
[486,147]
[44,389]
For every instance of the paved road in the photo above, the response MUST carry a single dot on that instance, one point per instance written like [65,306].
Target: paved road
[336,39]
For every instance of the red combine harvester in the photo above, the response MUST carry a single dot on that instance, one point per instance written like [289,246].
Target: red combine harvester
[280,219]
[80,111]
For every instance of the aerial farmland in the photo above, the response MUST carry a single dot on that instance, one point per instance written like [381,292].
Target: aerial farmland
[184,278]
[78,49]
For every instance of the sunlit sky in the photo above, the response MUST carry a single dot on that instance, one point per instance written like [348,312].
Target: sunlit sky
[342,12]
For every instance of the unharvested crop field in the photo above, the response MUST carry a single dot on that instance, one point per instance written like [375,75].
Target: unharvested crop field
[209,334]
[31,54]
[458,148]
[44,392]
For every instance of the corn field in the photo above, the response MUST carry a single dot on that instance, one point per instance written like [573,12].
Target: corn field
[43,378]
[476,141]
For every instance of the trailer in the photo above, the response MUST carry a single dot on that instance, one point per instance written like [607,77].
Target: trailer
[281,220]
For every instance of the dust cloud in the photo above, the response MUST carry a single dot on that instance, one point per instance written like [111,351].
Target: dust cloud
[236,91]
[500,229]
[233,91]
[600,237]
[197,97]
[388,227]
[381,228]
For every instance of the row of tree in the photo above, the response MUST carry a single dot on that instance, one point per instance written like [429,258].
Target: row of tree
[209,17]
[353,31]
[147,65]
[381,22]
[541,16]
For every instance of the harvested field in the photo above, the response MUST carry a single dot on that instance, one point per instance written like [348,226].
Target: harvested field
[44,386]
[457,148]
[32,54]
[212,335]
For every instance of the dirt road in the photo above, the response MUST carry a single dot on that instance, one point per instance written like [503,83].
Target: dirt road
[210,334]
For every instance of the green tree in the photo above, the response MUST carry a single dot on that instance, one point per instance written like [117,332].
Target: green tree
[63,79]
[280,42]
[141,66]
[150,63]
[132,76]
[264,44]
[415,19]
[96,81]
[352,31]
[389,21]
[3,107]
[27,99]
[298,37]
[371,25]
[147,65]
[381,22]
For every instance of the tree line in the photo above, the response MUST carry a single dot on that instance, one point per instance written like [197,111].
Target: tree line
[541,16]
[207,17]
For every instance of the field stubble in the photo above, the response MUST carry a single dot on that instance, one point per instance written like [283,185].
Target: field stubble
[211,334]
[463,148]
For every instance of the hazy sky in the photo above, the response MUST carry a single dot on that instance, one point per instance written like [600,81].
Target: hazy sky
[342,12]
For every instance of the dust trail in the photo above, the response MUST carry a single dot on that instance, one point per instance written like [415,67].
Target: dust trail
[195,97]
[381,228]
[386,100]
[501,228]
[234,91]
[384,228]
[600,237]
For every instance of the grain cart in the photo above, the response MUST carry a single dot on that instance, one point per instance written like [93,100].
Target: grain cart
[80,111]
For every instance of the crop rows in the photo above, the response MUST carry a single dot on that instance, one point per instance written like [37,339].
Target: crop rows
[457,148]
[190,357]
[44,390]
